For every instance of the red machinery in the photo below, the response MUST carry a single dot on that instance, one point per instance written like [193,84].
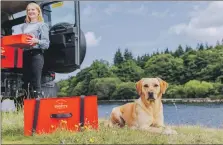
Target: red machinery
[11,57]
[12,60]
[11,50]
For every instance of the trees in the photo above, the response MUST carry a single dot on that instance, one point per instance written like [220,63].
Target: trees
[194,73]
[128,55]
[125,90]
[118,58]
[179,51]
[104,87]
[166,67]
[129,71]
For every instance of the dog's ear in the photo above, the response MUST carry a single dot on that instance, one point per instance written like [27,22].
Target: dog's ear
[163,85]
[139,87]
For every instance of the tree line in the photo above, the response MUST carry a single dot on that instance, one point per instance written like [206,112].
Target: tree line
[190,72]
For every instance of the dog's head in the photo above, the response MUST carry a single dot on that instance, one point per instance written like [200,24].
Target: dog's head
[151,88]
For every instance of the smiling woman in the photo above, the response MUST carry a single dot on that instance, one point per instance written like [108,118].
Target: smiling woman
[39,41]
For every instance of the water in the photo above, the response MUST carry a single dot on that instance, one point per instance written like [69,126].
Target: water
[203,114]
[206,114]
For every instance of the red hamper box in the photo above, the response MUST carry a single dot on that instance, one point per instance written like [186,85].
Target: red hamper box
[11,57]
[18,40]
[47,114]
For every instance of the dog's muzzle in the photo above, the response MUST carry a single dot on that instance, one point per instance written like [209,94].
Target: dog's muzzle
[151,96]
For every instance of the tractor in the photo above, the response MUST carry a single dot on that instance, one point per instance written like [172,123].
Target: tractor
[67,44]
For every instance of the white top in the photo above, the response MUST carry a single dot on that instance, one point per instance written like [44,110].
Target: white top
[32,27]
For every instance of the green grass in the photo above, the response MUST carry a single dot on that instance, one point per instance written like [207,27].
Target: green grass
[12,133]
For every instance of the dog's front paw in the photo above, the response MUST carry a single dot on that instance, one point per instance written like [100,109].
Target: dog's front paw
[169,131]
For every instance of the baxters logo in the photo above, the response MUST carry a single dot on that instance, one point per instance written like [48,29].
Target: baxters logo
[61,104]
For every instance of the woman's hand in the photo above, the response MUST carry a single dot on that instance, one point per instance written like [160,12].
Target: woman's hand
[32,40]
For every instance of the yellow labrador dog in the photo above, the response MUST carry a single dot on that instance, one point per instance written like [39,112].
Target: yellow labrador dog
[146,113]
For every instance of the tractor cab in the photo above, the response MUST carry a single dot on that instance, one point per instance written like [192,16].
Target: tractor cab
[67,41]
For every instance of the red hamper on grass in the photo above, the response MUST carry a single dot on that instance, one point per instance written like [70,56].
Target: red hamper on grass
[47,114]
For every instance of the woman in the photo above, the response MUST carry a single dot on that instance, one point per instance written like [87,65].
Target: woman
[33,56]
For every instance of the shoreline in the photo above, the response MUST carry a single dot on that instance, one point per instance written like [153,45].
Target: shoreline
[173,100]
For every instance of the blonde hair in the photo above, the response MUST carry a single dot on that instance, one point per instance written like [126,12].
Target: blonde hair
[40,17]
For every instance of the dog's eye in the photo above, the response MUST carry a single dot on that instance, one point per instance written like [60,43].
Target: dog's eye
[156,85]
[146,85]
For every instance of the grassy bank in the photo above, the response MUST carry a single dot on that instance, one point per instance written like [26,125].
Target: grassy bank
[12,133]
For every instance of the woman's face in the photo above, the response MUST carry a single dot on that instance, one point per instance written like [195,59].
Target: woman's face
[32,12]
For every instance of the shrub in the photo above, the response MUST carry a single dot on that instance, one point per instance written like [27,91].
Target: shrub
[175,91]
[125,90]
[79,89]
[197,89]
[103,87]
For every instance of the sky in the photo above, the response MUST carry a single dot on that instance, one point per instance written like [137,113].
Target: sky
[143,26]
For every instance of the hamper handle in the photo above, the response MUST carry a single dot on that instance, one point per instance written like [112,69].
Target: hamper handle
[61,115]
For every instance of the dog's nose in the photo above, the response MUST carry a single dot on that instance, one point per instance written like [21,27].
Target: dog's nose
[150,94]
